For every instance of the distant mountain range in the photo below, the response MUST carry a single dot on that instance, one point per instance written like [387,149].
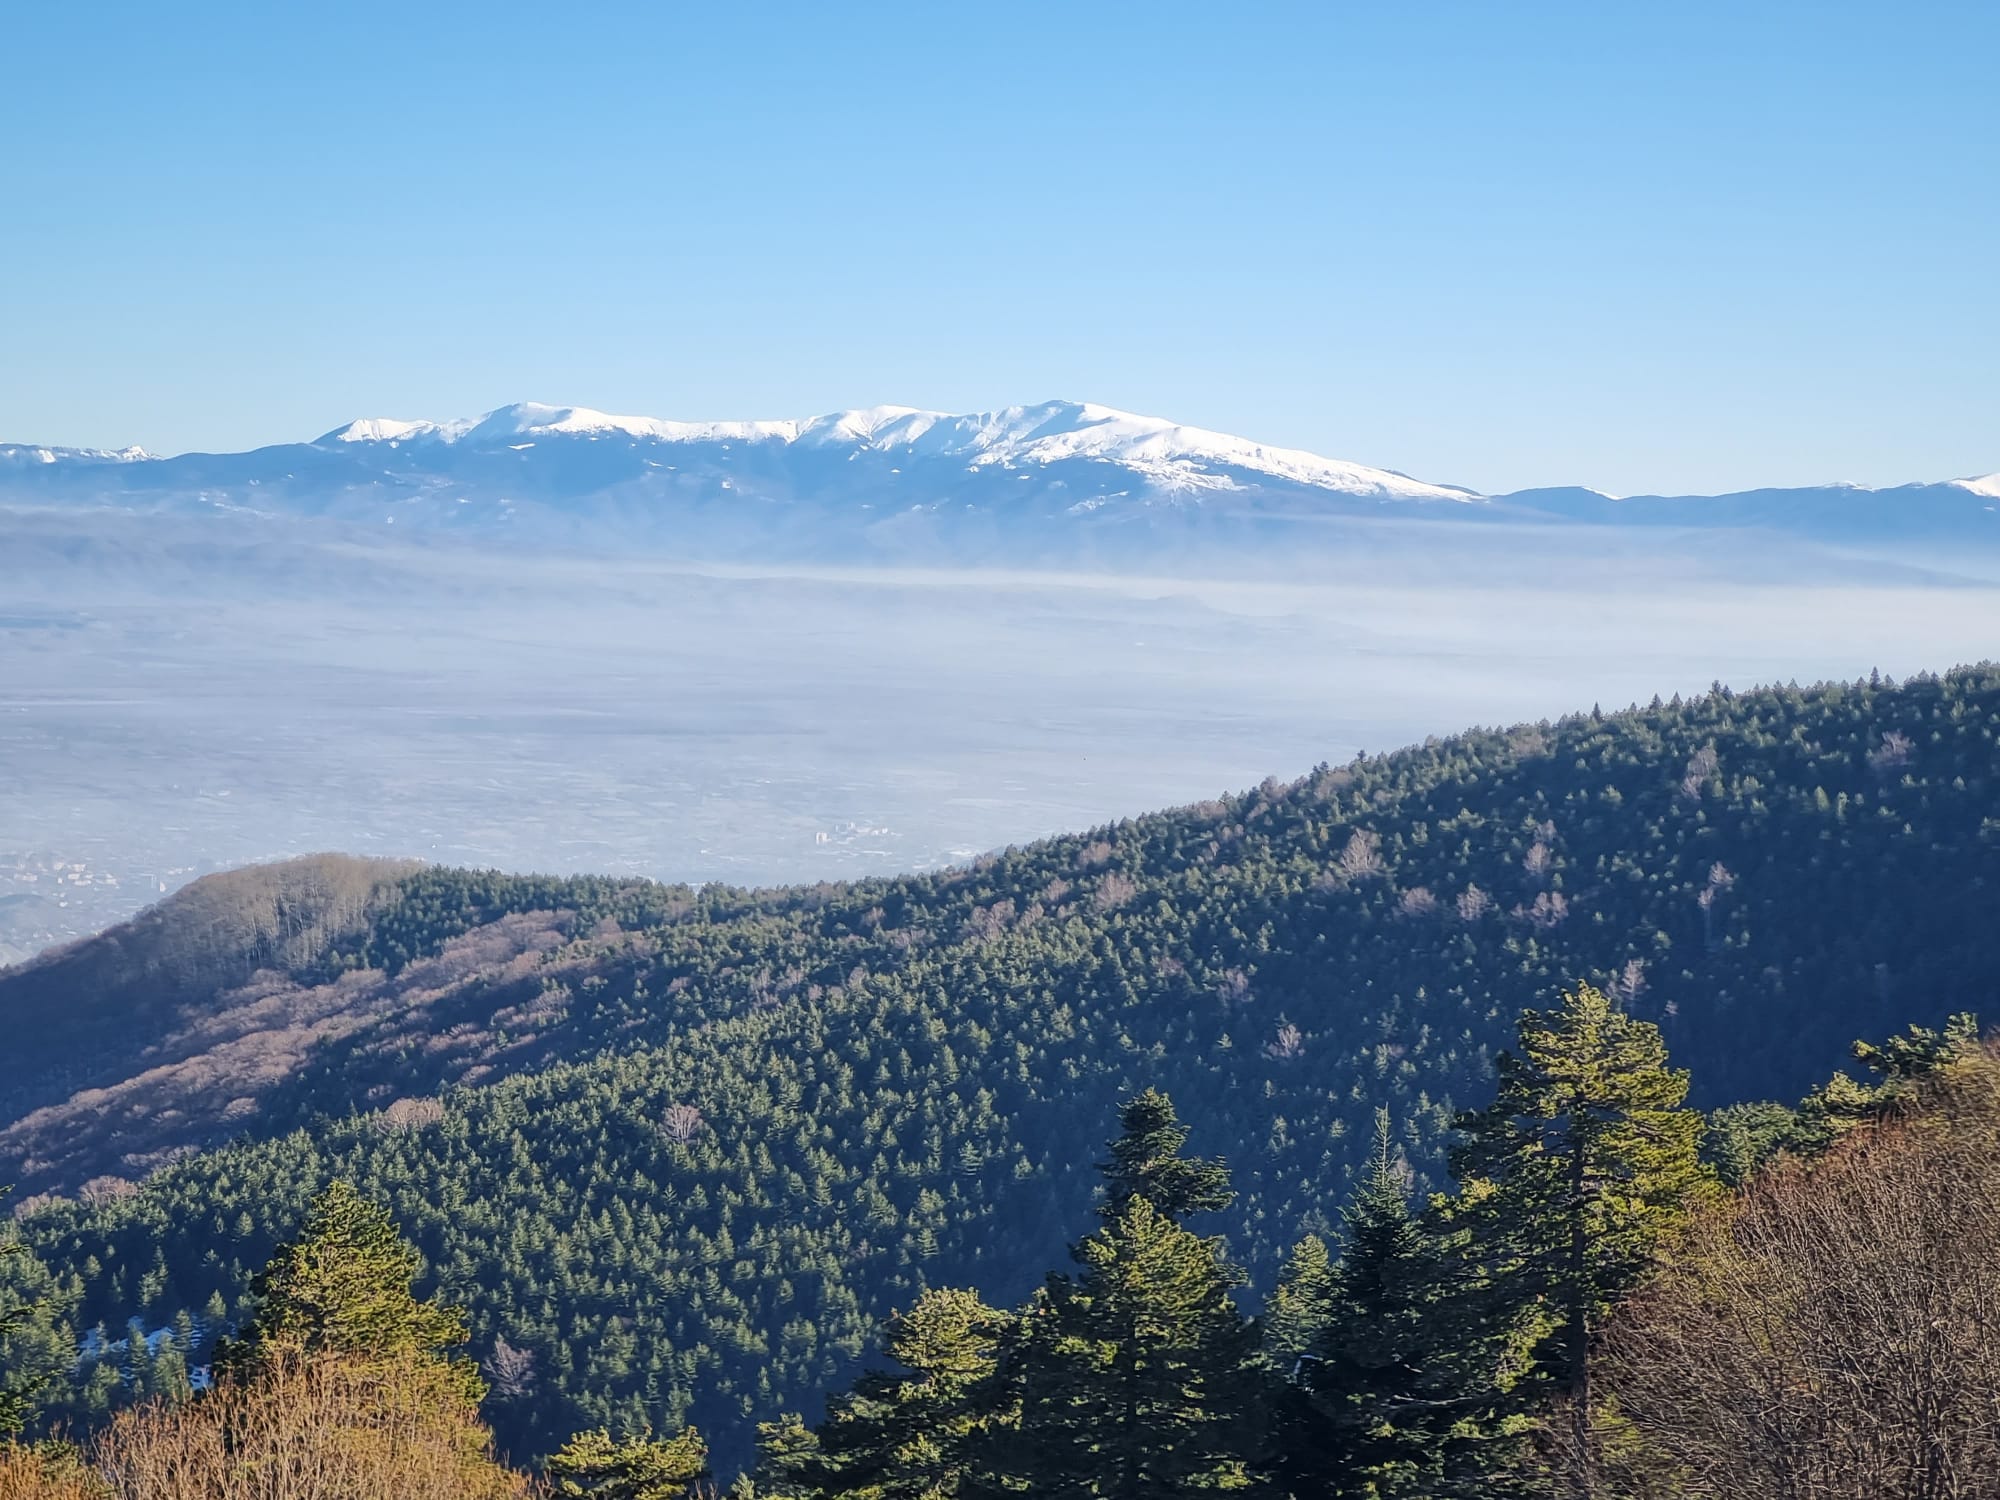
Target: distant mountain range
[1058,479]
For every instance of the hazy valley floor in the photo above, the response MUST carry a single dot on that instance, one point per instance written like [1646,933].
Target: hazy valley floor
[780,725]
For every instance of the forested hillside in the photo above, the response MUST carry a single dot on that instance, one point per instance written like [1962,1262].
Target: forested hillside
[679,1152]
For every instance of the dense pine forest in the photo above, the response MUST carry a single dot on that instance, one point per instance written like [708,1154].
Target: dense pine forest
[680,1154]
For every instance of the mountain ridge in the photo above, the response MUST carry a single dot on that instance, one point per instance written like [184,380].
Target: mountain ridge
[1003,432]
[1058,481]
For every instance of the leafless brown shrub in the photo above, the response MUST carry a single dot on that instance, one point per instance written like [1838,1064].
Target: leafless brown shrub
[26,1474]
[1834,1333]
[411,1114]
[312,1431]
[1093,854]
[1417,901]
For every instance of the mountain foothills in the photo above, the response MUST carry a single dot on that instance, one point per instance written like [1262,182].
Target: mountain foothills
[680,1152]
[1058,481]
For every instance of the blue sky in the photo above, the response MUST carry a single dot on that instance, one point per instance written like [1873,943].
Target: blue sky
[1642,247]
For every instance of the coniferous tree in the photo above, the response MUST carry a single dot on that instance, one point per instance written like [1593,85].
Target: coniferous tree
[1137,1375]
[1393,1397]
[21,1375]
[1295,1313]
[1146,1162]
[912,1437]
[595,1466]
[1584,1161]
[787,1453]
[342,1288]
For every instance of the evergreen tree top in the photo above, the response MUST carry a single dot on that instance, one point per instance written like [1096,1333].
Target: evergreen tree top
[595,1466]
[1146,1162]
[342,1287]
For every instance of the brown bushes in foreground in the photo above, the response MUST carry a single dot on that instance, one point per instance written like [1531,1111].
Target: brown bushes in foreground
[319,1430]
[1834,1333]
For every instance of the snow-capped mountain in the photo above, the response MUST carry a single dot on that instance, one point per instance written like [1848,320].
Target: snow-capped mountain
[1058,481]
[1190,458]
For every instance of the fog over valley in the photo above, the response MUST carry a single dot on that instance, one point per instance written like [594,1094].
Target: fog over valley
[187,692]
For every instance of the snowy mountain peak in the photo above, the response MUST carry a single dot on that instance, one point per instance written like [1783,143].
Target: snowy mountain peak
[378,430]
[1987,485]
[41,453]
[1037,436]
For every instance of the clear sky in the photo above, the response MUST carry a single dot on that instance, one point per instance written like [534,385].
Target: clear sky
[1638,246]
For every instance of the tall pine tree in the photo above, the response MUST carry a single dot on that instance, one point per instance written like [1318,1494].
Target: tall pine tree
[1137,1375]
[1572,1176]
[1295,1313]
[1392,1399]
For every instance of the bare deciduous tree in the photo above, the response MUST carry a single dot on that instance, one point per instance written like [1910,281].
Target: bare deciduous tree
[1630,983]
[681,1122]
[1113,891]
[1538,861]
[511,1370]
[1233,987]
[410,1114]
[1551,909]
[1362,858]
[989,922]
[1417,901]
[106,1189]
[1289,1042]
[1892,754]
[1701,765]
[1835,1333]
[1473,903]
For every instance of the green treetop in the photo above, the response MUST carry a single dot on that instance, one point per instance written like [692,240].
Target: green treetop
[1146,1162]
[910,1437]
[1295,1313]
[1136,1373]
[33,1348]
[1392,1396]
[343,1288]
[787,1458]
[595,1466]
